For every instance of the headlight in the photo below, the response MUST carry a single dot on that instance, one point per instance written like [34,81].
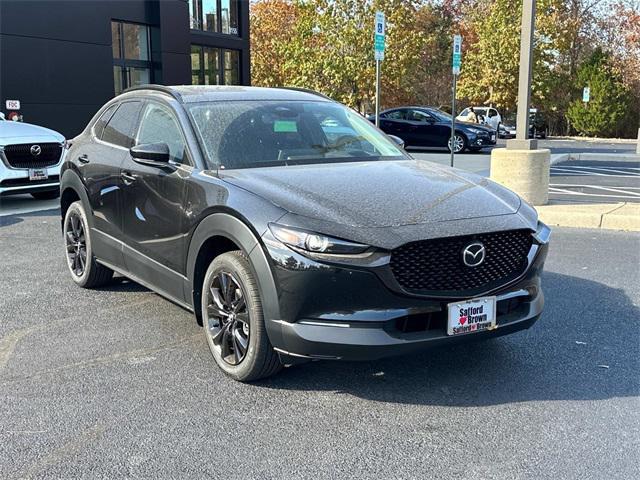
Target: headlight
[315,242]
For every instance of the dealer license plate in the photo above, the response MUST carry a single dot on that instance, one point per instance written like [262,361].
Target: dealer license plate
[38,174]
[472,316]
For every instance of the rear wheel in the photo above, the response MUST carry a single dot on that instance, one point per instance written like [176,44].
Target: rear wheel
[84,269]
[233,320]
[459,142]
[46,195]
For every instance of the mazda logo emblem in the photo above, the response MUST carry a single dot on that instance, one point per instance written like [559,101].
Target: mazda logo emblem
[35,150]
[473,255]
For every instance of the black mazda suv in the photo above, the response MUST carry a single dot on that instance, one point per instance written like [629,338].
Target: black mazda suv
[293,228]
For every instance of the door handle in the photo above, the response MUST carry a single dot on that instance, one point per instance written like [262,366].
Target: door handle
[84,158]
[128,177]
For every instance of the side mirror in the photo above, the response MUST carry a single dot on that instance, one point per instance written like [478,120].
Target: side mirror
[152,154]
[397,140]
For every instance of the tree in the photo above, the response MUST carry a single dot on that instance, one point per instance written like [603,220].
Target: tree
[603,114]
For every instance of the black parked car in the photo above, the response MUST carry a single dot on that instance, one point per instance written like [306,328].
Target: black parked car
[293,228]
[430,127]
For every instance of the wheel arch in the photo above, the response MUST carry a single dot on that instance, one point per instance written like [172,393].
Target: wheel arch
[221,232]
[72,190]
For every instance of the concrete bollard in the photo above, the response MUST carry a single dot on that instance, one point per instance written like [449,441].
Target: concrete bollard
[526,172]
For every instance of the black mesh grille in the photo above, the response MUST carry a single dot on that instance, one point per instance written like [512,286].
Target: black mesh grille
[436,265]
[20,156]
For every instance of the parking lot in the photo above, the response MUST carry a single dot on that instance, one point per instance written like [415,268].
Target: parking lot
[120,383]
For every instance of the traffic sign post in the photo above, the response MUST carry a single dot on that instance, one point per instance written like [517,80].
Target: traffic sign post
[378,48]
[456,63]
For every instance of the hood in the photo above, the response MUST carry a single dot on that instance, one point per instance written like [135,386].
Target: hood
[377,194]
[18,132]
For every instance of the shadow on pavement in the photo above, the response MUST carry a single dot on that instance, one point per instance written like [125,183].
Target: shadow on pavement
[542,363]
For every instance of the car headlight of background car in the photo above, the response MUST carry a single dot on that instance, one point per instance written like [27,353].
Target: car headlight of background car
[315,242]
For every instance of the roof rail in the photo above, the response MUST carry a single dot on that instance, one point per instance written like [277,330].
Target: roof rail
[306,90]
[157,88]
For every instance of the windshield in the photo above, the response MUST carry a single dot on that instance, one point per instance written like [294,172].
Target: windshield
[248,134]
[440,115]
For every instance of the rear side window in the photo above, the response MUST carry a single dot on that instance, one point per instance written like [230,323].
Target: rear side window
[98,127]
[122,125]
[396,115]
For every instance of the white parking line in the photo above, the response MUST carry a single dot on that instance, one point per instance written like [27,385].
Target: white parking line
[559,191]
[597,187]
[599,171]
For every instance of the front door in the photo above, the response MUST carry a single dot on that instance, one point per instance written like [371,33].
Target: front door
[153,211]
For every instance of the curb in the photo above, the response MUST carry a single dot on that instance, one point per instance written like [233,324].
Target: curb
[609,216]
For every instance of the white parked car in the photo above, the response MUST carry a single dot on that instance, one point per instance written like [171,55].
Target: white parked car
[487,115]
[30,158]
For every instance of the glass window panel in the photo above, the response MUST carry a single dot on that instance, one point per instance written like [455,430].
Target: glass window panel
[195,64]
[195,14]
[229,16]
[115,39]
[159,126]
[120,128]
[136,41]
[211,66]
[210,15]
[139,76]
[117,79]
[231,67]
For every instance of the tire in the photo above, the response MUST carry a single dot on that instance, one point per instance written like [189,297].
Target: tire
[46,195]
[460,142]
[241,324]
[84,270]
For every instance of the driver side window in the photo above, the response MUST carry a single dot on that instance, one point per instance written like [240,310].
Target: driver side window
[159,125]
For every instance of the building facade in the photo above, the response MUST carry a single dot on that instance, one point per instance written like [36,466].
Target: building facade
[62,60]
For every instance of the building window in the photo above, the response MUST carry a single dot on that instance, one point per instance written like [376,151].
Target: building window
[221,16]
[131,55]
[214,66]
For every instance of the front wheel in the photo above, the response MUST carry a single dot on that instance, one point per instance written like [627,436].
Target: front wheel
[459,142]
[233,320]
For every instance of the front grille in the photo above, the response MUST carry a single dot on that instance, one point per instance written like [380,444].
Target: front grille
[436,266]
[20,156]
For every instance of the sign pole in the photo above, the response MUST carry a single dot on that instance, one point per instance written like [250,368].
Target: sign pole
[377,93]
[453,117]
[378,50]
[455,64]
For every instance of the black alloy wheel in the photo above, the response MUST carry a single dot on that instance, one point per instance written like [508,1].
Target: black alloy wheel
[76,244]
[227,318]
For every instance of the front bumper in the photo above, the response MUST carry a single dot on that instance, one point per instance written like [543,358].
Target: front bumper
[16,181]
[483,139]
[348,313]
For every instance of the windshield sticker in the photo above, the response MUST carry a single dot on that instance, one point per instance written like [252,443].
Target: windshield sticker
[285,126]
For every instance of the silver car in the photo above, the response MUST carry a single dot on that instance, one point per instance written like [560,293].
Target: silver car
[30,158]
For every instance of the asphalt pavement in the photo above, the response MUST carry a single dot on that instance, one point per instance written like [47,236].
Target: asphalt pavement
[119,382]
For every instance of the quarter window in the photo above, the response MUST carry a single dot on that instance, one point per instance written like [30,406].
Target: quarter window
[98,127]
[159,125]
[121,126]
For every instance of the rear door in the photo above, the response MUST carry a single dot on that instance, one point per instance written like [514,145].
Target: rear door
[99,162]
[394,123]
[153,212]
